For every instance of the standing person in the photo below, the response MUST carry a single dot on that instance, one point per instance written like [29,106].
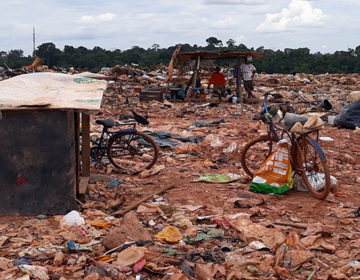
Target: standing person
[247,73]
[219,82]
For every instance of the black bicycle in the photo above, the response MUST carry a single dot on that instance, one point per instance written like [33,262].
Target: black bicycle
[127,149]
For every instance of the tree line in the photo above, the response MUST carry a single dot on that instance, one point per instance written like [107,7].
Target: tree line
[285,61]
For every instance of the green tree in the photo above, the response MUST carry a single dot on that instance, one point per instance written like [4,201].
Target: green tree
[230,43]
[48,53]
[214,42]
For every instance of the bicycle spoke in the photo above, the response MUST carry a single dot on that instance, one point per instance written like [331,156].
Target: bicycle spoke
[132,151]
[255,154]
[315,170]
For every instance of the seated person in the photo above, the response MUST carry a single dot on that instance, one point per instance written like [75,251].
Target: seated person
[196,92]
[219,82]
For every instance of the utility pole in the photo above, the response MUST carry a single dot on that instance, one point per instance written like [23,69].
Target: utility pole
[33,41]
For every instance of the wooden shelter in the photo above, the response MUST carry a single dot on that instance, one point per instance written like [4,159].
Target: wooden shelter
[198,56]
[44,141]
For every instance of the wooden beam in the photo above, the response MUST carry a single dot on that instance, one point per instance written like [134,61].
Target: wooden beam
[77,151]
[238,81]
[196,71]
[83,188]
[137,203]
[85,147]
[288,224]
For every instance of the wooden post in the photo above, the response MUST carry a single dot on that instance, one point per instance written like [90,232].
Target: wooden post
[196,71]
[85,148]
[77,151]
[85,156]
[238,80]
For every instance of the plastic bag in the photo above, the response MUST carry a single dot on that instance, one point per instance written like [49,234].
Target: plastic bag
[317,182]
[274,175]
[170,234]
[349,116]
[72,218]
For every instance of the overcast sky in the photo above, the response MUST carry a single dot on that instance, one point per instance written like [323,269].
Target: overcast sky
[321,25]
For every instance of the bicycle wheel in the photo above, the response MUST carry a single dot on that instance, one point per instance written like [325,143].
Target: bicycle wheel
[132,151]
[314,167]
[256,152]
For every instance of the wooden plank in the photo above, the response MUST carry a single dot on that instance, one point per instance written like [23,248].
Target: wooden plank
[85,147]
[83,185]
[302,226]
[77,151]
[137,203]
[169,71]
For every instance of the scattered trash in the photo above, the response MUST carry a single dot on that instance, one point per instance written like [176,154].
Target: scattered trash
[222,232]
[232,148]
[98,223]
[131,256]
[35,271]
[325,138]
[248,199]
[73,218]
[219,178]
[211,234]
[170,234]
[205,124]
[317,181]
[114,183]
[71,246]
[22,261]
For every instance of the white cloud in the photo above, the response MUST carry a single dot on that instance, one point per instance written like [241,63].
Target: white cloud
[97,18]
[234,2]
[106,17]
[300,13]
[87,19]
[227,22]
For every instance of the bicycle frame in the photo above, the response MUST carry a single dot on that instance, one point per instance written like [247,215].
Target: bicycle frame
[102,143]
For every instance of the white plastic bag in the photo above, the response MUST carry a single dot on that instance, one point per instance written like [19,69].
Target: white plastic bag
[72,218]
[317,181]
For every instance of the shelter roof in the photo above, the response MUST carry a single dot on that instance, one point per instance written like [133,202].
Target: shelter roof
[51,91]
[187,56]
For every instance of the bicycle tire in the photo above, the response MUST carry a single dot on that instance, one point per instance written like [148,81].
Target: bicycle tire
[314,167]
[127,151]
[249,153]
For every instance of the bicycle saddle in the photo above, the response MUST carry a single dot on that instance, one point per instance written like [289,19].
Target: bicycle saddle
[107,122]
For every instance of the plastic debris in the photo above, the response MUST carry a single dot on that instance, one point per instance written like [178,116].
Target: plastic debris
[130,256]
[219,178]
[114,183]
[170,234]
[71,246]
[73,218]
[35,271]
[98,223]
[211,234]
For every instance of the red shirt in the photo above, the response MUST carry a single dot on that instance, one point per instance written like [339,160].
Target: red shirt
[217,79]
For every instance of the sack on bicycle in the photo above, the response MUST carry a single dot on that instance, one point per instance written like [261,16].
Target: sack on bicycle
[275,174]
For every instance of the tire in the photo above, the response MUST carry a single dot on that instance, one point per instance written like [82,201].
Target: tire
[314,167]
[132,151]
[97,153]
[256,152]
